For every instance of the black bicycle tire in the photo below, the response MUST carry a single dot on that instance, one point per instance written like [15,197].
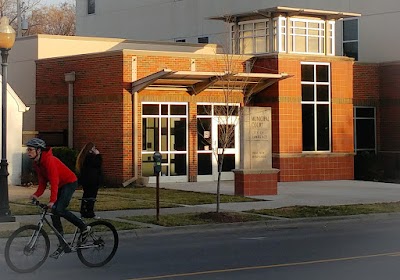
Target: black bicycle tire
[11,239]
[114,250]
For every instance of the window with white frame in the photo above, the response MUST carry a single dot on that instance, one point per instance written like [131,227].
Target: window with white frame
[91,7]
[316,106]
[164,129]
[280,34]
[365,129]
[253,36]
[307,36]
[350,38]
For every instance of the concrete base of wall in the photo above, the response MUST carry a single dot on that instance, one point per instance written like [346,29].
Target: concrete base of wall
[256,182]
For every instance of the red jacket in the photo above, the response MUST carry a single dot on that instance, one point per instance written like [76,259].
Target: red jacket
[51,169]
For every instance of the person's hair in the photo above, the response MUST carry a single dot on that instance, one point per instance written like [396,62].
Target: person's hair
[82,155]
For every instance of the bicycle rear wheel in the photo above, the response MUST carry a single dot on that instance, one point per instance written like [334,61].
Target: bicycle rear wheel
[27,249]
[100,246]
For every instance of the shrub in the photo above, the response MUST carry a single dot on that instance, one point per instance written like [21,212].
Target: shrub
[368,167]
[66,155]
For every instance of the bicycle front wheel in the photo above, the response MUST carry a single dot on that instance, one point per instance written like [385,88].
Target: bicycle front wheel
[100,246]
[27,249]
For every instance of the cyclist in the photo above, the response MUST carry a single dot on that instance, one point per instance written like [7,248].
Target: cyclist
[63,183]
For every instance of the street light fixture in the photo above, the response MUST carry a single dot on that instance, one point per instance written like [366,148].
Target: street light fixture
[7,39]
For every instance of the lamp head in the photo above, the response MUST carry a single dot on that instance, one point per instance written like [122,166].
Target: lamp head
[7,34]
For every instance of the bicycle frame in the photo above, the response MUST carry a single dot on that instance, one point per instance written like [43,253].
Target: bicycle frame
[43,220]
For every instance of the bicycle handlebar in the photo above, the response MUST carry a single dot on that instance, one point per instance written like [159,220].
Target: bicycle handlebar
[41,205]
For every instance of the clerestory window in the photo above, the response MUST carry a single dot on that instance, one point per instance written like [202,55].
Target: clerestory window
[281,34]
[252,37]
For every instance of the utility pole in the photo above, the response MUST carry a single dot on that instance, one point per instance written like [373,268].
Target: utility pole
[19,16]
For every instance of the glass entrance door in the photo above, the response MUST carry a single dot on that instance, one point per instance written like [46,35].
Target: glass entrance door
[225,143]
[216,131]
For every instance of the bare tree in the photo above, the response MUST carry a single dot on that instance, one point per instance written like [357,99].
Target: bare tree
[225,112]
[55,20]
[9,9]
[238,88]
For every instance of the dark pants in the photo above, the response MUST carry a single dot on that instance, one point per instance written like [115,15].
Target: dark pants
[88,200]
[60,208]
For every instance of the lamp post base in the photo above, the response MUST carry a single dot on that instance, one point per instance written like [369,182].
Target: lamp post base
[5,213]
[6,219]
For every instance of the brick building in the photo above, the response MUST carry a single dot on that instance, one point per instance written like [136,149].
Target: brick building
[134,102]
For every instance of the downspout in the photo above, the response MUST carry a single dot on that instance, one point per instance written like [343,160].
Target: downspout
[70,79]
[135,149]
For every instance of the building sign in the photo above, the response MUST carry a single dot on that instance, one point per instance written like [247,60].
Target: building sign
[256,138]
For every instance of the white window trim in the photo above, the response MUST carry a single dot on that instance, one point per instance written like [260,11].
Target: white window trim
[315,102]
[321,38]
[182,178]
[267,36]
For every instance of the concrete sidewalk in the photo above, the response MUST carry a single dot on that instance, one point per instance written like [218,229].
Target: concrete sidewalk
[312,193]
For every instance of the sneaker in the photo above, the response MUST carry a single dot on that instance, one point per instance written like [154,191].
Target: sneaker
[85,234]
[58,253]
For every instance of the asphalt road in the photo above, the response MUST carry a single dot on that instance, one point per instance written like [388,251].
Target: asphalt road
[352,249]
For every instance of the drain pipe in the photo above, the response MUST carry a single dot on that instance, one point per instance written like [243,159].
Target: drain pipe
[70,79]
[135,149]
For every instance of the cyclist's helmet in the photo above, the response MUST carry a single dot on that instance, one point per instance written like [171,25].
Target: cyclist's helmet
[36,143]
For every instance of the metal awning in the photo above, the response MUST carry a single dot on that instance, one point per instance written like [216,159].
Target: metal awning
[196,82]
[285,11]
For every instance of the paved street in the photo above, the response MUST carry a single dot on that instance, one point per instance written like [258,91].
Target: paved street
[365,246]
[368,250]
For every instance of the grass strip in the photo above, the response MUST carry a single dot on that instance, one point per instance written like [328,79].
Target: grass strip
[326,211]
[70,228]
[185,219]
[133,198]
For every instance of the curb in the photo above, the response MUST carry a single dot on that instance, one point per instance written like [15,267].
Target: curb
[271,224]
[267,224]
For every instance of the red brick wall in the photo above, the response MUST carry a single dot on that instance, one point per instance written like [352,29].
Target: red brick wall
[100,105]
[367,89]
[103,109]
[389,116]
[390,107]
[103,104]
[285,100]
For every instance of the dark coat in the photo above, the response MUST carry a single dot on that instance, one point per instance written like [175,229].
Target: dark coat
[91,174]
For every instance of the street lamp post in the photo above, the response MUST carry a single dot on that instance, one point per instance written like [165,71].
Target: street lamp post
[7,39]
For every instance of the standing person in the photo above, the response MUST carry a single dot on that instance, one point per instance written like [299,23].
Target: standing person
[89,169]
[63,183]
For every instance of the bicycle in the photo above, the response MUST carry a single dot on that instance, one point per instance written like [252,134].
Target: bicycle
[28,247]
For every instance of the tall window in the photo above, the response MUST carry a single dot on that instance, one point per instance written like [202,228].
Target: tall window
[91,7]
[164,129]
[315,104]
[307,36]
[350,38]
[253,37]
[365,127]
